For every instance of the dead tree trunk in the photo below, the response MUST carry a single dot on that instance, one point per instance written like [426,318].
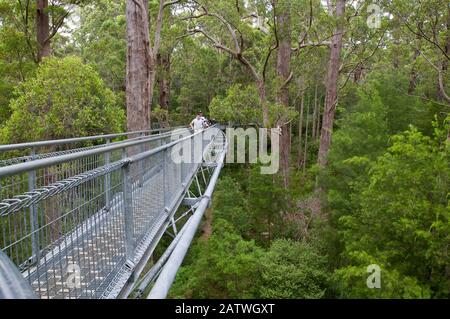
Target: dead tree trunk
[43,30]
[332,84]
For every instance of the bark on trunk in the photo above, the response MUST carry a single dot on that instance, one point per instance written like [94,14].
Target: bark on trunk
[139,66]
[314,136]
[43,30]
[319,117]
[300,133]
[164,80]
[305,156]
[283,72]
[262,100]
[331,85]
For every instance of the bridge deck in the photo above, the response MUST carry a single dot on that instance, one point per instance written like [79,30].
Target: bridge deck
[87,229]
[97,246]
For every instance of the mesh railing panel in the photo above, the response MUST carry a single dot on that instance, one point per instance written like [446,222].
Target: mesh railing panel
[73,228]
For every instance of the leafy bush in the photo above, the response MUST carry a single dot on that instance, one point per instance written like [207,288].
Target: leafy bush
[241,105]
[293,270]
[226,266]
[403,221]
[16,64]
[65,99]
[229,204]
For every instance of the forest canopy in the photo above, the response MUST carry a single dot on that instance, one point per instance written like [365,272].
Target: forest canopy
[360,91]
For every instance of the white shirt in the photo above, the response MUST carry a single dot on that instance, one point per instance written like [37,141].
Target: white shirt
[197,124]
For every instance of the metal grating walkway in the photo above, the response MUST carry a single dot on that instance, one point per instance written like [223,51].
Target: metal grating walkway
[82,224]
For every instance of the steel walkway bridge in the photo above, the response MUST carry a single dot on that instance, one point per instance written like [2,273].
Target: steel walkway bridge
[81,217]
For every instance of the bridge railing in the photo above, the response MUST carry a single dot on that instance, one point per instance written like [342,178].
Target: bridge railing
[87,218]
[23,152]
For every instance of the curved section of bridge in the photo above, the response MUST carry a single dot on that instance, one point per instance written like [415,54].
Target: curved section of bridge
[82,221]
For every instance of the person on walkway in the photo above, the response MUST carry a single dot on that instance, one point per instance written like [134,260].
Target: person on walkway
[197,124]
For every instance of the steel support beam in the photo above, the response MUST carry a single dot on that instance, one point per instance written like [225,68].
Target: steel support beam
[167,276]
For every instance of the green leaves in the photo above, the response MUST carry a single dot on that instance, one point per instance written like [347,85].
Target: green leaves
[240,105]
[403,221]
[225,266]
[293,270]
[65,99]
[102,40]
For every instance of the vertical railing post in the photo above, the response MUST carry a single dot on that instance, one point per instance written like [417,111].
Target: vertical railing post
[141,164]
[33,214]
[166,178]
[192,154]
[182,164]
[174,226]
[128,211]
[107,179]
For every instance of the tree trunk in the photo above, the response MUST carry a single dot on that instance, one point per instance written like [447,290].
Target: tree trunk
[331,85]
[164,80]
[305,157]
[443,65]
[300,132]
[315,114]
[284,73]
[138,81]
[43,30]
[319,116]
[262,101]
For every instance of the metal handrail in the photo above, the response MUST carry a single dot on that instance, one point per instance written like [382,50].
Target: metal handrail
[33,156]
[12,283]
[168,273]
[42,163]
[124,206]
[21,146]
[147,154]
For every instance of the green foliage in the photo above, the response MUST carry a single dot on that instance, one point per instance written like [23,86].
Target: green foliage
[226,266]
[362,136]
[161,116]
[16,65]
[351,281]
[385,193]
[404,217]
[229,204]
[267,203]
[65,99]
[279,113]
[240,105]
[197,76]
[293,270]
[402,109]
[102,39]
